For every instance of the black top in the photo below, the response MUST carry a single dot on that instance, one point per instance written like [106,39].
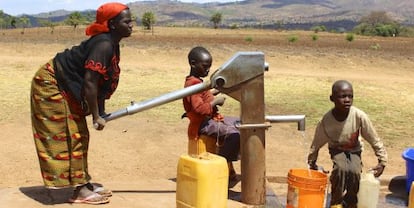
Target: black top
[98,54]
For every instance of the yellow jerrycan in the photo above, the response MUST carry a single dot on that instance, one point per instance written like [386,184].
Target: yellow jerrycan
[202,181]
[411,196]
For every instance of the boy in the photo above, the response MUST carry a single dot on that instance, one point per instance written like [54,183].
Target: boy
[201,109]
[340,128]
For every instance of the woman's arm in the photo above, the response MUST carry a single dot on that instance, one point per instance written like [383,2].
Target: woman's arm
[91,96]
[99,59]
[101,106]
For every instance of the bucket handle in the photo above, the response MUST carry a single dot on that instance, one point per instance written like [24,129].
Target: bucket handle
[318,188]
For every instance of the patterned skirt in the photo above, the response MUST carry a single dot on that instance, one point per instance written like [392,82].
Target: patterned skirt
[60,132]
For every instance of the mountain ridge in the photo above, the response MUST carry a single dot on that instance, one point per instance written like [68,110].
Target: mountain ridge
[273,13]
[265,13]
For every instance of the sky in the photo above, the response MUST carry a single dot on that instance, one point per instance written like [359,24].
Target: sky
[18,7]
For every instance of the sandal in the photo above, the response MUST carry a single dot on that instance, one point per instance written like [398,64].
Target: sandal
[102,191]
[99,190]
[94,198]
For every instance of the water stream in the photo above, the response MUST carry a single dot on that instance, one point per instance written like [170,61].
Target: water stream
[306,147]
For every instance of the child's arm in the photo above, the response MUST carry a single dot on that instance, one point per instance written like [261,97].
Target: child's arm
[319,140]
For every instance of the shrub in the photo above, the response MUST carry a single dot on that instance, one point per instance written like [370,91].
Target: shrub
[387,30]
[407,32]
[234,26]
[248,39]
[293,38]
[350,37]
[315,37]
[319,28]
[376,46]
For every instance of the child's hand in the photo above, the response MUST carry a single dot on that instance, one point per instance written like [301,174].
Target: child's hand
[378,170]
[214,92]
[314,166]
[218,101]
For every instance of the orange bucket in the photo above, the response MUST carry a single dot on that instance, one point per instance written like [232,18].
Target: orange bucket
[306,189]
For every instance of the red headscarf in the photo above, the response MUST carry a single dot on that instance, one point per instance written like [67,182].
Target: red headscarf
[103,14]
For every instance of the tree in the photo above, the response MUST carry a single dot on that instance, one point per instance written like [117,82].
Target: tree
[2,20]
[148,20]
[75,19]
[377,17]
[7,21]
[216,19]
[2,23]
[48,23]
[89,17]
[24,22]
[378,23]
[279,24]
[13,22]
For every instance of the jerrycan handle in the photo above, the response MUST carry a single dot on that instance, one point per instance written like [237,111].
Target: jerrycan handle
[369,177]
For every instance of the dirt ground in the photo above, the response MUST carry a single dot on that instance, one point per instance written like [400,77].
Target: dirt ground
[148,145]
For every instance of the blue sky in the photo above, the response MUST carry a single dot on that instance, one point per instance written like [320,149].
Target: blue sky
[17,7]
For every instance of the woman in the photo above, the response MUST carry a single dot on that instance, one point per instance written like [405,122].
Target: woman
[74,84]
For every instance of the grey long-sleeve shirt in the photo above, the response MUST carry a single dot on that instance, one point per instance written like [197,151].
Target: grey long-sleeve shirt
[344,135]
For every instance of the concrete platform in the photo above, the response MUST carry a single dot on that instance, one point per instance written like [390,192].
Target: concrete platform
[145,194]
[161,194]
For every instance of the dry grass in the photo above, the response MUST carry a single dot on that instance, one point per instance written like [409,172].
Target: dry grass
[298,82]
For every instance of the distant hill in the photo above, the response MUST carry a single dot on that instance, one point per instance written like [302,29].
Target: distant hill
[332,14]
[276,13]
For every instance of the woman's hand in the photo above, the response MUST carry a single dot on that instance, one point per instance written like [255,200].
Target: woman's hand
[99,123]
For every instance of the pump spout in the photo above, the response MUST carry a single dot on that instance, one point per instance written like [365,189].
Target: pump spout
[300,119]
